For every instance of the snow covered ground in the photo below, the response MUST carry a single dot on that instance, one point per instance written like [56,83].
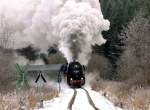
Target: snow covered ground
[81,101]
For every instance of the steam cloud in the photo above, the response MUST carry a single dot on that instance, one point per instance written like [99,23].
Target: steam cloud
[74,25]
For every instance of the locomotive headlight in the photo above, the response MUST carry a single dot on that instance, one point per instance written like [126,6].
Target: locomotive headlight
[71,79]
[81,78]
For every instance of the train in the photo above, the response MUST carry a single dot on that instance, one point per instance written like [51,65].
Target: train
[74,73]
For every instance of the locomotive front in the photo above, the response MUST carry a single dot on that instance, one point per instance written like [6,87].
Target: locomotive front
[75,74]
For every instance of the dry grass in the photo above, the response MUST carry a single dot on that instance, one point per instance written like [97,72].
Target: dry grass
[124,95]
[26,100]
[141,99]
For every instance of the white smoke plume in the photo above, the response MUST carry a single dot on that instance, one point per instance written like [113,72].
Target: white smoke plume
[74,25]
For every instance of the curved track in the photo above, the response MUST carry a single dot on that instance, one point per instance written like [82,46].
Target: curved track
[88,96]
[90,99]
[72,100]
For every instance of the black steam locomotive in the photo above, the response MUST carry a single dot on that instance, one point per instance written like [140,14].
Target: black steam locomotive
[74,72]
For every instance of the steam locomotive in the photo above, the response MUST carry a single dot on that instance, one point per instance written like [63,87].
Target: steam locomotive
[74,72]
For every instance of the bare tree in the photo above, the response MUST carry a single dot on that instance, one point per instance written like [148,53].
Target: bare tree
[7,68]
[5,33]
[135,59]
[6,54]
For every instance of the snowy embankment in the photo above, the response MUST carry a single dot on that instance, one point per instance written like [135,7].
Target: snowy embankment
[81,101]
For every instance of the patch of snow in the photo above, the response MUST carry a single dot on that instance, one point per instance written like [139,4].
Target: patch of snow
[81,101]
[59,103]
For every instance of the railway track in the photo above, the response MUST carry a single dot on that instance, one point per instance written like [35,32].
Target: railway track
[88,97]
[72,100]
